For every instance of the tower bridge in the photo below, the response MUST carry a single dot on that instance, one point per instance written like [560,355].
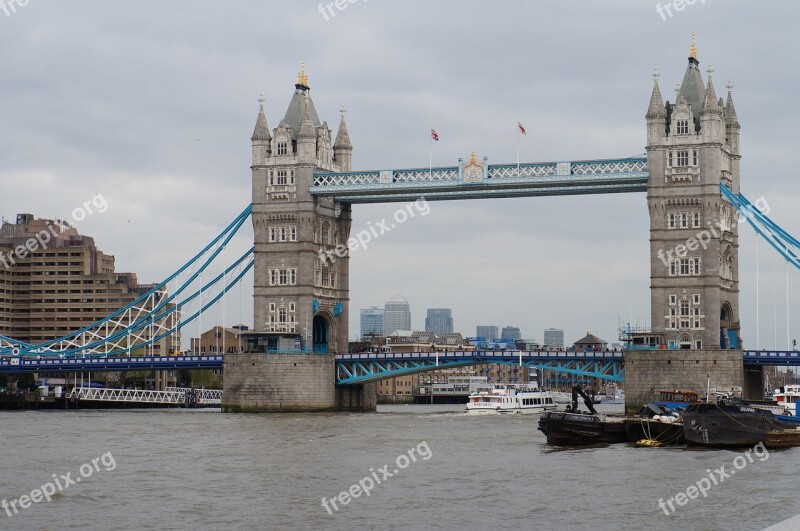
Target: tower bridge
[303,189]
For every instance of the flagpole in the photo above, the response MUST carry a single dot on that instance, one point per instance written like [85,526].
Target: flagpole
[430,152]
[517,149]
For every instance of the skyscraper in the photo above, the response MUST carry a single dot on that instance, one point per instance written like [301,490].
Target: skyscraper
[511,332]
[553,337]
[371,322]
[439,321]
[487,332]
[396,315]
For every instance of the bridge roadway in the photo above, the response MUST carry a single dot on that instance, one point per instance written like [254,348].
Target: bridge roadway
[370,367]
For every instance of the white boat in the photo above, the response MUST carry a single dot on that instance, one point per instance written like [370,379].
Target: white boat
[787,397]
[510,398]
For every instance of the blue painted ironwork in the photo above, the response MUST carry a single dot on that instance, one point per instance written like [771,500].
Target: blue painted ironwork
[771,357]
[151,317]
[105,364]
[501,180]
[371,367]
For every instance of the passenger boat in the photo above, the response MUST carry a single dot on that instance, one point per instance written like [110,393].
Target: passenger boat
[575,428]
[510,398]
[731,425]
[787,397]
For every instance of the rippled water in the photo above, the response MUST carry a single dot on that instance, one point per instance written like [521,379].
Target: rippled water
[179,469]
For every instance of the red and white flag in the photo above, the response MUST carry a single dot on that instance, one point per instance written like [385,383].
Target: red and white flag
[434,135]
[521,129]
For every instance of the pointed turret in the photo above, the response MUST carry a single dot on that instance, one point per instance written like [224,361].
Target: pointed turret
[307,137]
[656,109]
[710,104]
[261,138]
[731,122]
[261,131]
[731,119]
[343,149]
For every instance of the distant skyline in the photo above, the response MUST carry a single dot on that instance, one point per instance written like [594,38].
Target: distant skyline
[154,109]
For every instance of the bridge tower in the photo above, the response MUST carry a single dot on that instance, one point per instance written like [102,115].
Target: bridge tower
[301,269]
[692,147]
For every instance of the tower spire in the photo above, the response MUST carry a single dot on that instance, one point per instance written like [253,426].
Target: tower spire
[656,108]
[710,103]
[693,49]
[261,131]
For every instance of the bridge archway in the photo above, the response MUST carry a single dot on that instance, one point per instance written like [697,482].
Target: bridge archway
[727,333]
[322,333]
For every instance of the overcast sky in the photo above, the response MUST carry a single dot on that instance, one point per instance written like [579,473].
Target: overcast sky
[152,104]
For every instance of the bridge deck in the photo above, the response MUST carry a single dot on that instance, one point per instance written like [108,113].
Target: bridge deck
[499,180]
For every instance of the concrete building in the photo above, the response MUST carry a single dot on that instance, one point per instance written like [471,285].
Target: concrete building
[371,322]
[396,315]
[219,340]
[553,338]
[487,332]
[54,280]
[439,321]
[511,333]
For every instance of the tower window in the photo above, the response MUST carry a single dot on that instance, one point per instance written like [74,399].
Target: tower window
[673,267]
[281,177]
[669,158]
[671,220]
[696,298]
[683,158]
[282,148]
[684,267]
[684,220]
[695,219]
[283,277]
[673,299]
[683,127]
[694,157]
[696,266]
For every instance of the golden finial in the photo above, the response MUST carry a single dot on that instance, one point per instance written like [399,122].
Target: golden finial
[473,158]
[693,48]
[302,78]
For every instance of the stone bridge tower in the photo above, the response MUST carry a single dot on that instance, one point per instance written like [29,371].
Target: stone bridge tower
[301,287]
[301,278]
[692,147]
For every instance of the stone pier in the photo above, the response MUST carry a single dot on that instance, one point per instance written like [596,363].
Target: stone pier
[649,371]
[271,383]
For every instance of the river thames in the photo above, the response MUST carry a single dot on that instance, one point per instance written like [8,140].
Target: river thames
[426,467]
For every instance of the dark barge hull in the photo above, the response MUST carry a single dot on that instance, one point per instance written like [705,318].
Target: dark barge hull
[736,426]
[667,433]
[577,429]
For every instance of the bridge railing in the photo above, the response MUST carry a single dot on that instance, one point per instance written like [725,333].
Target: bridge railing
[526,355]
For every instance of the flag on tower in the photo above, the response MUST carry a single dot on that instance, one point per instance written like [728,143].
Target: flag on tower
[434,135]
[521,129]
